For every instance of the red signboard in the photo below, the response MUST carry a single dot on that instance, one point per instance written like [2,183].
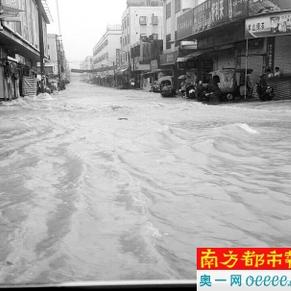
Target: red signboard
[244,259]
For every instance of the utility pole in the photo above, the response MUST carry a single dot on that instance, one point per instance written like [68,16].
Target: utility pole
[59,47]
[1,12]
[41,45]
[59,18]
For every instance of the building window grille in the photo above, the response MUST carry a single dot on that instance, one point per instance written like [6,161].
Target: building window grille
[155,36]
[177,6]
[155,20]
[177,43]
[168,10]
[168,41]
[143,20]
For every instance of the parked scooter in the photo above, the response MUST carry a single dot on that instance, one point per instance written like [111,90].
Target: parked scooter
[265,92]
[132,84]
[190,92]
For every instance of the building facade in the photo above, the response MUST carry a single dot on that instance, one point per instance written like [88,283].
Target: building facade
[241,35]
[172,47]
[104,52]
[52,65]
[104,55]
[142,20]
[20,46]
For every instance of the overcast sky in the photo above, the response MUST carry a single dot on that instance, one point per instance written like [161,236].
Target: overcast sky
[83,23]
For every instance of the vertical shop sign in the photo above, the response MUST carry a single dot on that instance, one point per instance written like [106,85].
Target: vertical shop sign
[270,53]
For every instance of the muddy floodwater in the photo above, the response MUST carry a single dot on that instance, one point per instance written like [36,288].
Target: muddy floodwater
[105,184]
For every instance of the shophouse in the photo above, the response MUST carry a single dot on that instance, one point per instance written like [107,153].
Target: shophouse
[142,19]
[23,43]
[242,35]
[104,54]
[172,47]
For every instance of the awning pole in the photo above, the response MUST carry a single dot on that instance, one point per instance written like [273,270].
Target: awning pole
[247,64]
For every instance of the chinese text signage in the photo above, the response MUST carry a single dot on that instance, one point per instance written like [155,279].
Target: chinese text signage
[247,268]
[212,13]
[269,25]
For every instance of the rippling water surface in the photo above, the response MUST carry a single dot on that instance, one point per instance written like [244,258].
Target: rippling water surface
[100,184]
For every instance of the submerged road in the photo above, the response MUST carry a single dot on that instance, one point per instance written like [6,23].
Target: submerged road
[100,184]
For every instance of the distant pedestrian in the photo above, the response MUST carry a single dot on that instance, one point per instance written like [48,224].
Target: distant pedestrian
[269,73]
[277,72]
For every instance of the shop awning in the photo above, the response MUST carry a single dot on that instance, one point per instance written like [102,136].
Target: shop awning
[192,56]
[182,60]
[122,70]
[153,72]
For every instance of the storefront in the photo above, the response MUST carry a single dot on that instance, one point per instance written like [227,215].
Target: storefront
[122,77]
[274,30]
[239,35]
[168,62]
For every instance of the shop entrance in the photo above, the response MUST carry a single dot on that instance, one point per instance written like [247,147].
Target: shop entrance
[205,66]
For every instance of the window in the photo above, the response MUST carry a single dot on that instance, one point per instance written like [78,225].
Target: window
[143,36]
[155,20]
[177,5]
[18,27]
[155,36]
[177,43]
[143,20]
[168,41]
[168,10]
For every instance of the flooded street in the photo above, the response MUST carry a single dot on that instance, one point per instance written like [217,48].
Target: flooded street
[100,184]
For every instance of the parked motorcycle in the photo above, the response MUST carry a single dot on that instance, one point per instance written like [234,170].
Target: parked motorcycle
[155,87]
[167,88]
[265,92]
[190,92]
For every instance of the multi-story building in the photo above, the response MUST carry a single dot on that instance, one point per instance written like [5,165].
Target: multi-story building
[104,52]
[52,65]
[20,45]
[141,20]
[241,35]
[173,9]
[104,55]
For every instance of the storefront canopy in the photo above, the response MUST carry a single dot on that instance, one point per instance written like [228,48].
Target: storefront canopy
[192,56]
[122,71]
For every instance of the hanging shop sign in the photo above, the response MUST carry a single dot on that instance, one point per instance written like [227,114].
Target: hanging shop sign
[168,58]
[154,65]
[118,58]
[274,24]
